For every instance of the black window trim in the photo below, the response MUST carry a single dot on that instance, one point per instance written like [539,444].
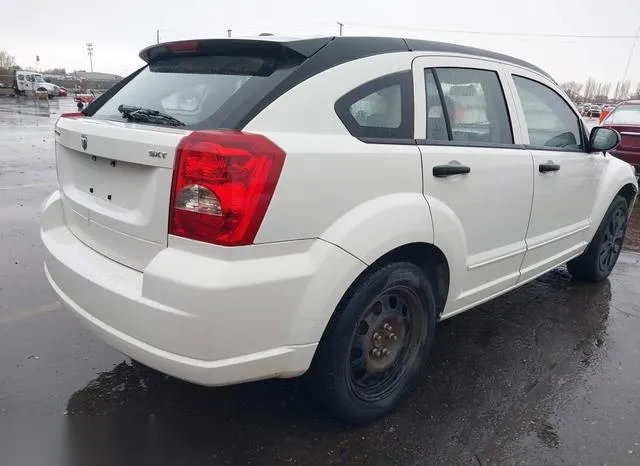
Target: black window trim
[445,110]
[584,137]
[404,134]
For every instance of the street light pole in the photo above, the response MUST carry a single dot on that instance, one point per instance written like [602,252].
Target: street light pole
[157,36]
[340,26]
[228,32]
[90,52]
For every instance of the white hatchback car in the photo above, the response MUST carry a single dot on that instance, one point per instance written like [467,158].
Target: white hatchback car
[245,209]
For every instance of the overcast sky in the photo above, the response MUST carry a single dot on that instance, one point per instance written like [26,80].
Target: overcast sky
[59,30]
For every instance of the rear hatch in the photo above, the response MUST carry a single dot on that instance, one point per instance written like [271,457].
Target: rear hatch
[115,169]
[115,195]
[625,119]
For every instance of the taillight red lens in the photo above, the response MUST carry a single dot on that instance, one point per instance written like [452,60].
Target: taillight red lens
[223,182]
[72,115]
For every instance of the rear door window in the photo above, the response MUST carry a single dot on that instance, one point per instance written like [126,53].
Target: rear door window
[379,109]
[475,105]
[198,90]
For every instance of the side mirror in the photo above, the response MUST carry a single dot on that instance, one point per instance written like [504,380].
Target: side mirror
[80,105]
[603,139]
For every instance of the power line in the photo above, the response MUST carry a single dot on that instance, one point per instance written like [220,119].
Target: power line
[495,33]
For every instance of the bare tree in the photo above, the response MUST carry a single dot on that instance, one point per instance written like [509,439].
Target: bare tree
[636,94]
[572,89]
[616,93]
[6,60]
[589,88]
[624,90]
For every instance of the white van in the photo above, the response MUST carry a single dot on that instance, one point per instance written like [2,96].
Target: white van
[29,82]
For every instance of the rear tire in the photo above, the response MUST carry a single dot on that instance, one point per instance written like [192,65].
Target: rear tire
[597,261]
[375,344]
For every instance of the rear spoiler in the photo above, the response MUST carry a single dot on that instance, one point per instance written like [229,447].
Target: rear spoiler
[292,49]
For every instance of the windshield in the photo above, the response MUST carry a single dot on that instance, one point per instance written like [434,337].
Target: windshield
[625,114]
[38,78]
[195,89]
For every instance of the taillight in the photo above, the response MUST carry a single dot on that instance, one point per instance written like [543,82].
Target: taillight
[223,182]
[73,115]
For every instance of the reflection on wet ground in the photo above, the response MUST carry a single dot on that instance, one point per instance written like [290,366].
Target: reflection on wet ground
[500,382]
[547,374]
[28,107]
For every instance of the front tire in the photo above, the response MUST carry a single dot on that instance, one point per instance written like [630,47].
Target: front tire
[597,261]
[376,343]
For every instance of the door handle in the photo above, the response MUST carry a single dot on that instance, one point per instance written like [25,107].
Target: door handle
[548,167]
[442,171]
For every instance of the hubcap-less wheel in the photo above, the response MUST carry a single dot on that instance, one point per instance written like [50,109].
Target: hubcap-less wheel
[612,240]
[385,343]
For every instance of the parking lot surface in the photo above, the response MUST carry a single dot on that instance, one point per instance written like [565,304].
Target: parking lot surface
[547,374]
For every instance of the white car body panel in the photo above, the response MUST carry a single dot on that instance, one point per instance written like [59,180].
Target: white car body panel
[219,315]
[131,226]
[491,258]
[557,230]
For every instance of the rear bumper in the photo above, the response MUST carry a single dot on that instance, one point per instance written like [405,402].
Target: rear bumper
[208,320]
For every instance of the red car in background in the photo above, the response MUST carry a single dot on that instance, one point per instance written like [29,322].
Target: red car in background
[625,118]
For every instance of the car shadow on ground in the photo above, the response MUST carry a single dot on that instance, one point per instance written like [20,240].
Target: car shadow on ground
[484,366]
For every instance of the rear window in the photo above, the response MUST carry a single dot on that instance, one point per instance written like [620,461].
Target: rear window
[198,90]
[628,114]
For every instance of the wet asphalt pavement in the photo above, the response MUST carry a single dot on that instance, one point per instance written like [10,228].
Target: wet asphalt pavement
[547,374]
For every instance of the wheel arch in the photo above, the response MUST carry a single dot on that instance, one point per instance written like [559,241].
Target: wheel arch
[617,180]
[629,192]
[425,255]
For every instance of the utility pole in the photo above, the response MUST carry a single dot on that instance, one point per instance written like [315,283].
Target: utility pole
[90,53]
[228,32]
[157,36]
[633,46]
[340,26]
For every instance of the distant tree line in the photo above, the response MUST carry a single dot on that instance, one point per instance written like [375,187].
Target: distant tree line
[600,91]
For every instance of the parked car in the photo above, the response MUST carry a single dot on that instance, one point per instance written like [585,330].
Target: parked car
[210,226]
[62,92]
[625,119]
[593,111]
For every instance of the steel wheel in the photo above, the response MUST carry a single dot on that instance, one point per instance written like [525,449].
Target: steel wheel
[385,343]
[611,244]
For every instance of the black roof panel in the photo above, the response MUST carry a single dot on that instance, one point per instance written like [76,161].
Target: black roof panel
[343,48]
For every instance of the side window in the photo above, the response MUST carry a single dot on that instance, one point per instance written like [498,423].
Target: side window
[475,105]
[550,120]
[436,121]
[20,77]
[30,78]
[381,109]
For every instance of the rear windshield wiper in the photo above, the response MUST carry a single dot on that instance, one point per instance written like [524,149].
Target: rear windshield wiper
[147,115]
